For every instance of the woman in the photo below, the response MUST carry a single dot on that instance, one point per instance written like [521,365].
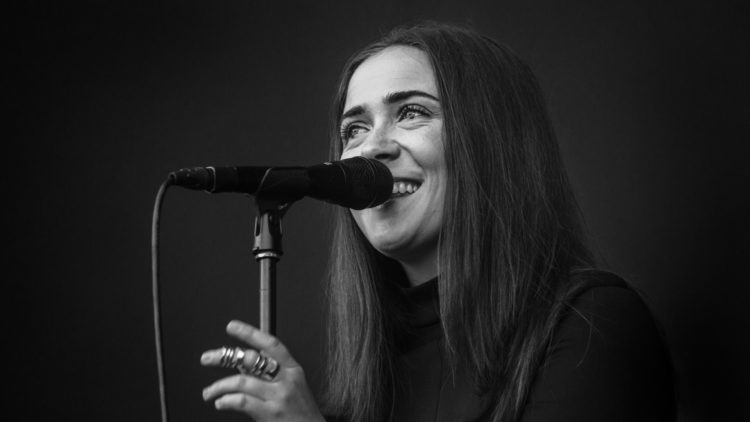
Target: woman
[471,294]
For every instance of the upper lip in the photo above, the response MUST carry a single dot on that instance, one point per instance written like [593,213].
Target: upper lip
[409,179]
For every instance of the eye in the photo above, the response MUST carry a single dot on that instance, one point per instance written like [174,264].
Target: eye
[351,130]
[412,111]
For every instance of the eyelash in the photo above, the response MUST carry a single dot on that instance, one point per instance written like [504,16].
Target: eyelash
[412,108]
[345,131]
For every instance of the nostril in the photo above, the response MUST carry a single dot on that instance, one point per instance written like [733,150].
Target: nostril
[382,154]
[380,148]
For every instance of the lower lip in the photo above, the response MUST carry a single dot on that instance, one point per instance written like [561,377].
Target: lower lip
[393,198]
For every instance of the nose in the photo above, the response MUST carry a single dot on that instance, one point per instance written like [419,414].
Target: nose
[380,146]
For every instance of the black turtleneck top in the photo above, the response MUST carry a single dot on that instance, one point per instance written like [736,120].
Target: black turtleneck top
[608,363]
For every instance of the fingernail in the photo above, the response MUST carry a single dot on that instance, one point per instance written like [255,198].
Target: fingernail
[205,358]
[233,325]
[205,393]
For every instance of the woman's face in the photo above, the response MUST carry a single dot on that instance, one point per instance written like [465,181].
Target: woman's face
[392,113]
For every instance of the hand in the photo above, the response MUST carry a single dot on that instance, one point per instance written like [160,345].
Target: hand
[284,398]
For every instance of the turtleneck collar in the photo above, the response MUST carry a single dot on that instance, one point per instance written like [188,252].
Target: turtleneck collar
[421,316]
[422,304]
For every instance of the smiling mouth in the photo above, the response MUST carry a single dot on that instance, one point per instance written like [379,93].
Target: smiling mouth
[404,188]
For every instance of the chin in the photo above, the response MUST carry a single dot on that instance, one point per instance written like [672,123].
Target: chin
[395,235]
[388,245]
[405,247]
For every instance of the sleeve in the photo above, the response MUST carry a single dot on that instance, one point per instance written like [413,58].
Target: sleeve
[608,362]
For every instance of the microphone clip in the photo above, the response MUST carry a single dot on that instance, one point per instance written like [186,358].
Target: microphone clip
[267,231]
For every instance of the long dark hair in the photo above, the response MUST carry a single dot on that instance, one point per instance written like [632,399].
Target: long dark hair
[511,236]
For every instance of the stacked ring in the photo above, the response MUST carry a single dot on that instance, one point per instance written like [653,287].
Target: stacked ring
[232,357]
[264,366]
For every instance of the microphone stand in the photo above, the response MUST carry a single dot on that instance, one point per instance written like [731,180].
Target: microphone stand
[267,252]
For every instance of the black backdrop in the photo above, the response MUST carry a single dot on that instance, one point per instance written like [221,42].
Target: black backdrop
[649,100]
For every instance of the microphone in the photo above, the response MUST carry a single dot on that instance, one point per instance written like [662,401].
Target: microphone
[355,183]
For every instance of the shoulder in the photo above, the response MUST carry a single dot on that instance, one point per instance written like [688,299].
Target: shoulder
[608,307]
[608,326]
[607,359]
[607,310]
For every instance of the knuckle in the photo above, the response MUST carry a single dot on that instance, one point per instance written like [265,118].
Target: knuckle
[284,396]
[250,356]
[297,375]
[240,382]
[274,343]
[276,411]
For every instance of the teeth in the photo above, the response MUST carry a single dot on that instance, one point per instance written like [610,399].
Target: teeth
[404,188]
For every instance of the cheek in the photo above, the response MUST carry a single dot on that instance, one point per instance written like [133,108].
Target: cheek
[357,215]
[347,154]
[360,218]
[432,151]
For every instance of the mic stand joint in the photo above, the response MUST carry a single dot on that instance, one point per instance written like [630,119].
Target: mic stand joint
[267,251]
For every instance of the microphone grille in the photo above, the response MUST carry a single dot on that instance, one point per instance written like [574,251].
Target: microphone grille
[370,181]
[199,178]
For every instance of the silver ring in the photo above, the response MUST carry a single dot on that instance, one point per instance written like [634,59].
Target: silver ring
[260,365]
[269,369]
[245,370]
[272,370]
[232,357]
[264,367]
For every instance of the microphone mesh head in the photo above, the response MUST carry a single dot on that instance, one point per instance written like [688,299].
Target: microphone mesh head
[370,181]
[199,178]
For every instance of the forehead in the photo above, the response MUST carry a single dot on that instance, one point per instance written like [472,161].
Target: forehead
[398,68]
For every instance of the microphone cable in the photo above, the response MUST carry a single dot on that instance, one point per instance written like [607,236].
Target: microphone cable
[155,293]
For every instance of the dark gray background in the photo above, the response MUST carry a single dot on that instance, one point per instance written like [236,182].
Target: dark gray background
[649,100]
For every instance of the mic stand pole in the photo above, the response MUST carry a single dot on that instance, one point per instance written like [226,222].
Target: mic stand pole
[267,252]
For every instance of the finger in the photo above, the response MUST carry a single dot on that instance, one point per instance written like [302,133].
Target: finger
[213,357]
[240,383]
[265,342]
[242,403]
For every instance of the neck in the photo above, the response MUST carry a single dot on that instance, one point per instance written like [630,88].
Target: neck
[421,270]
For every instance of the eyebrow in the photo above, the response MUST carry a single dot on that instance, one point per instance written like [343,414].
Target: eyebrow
[391,98]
